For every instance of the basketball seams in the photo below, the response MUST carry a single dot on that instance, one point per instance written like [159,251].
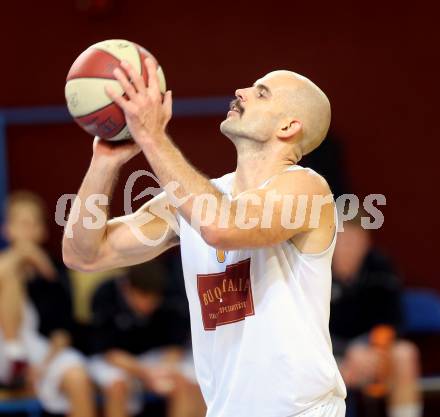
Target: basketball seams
[117,118]
[118,136]
[92,78]
[86,99]
[131,49]
[90,51]
[94,111]
[101,108]
[85,95]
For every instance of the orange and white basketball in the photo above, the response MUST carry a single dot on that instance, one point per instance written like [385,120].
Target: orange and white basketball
[86,99]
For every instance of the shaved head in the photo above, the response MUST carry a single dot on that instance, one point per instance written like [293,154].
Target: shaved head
[284,110]
[306,102]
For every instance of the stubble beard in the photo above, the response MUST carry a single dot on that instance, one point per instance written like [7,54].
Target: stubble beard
[236,132]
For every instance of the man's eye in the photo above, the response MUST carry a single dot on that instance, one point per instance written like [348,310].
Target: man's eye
[260,93]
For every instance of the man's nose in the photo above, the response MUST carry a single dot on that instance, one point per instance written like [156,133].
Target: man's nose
[240,94]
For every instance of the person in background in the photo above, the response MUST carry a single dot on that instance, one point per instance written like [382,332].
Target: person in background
[35,318]
[140,339]
[365,314]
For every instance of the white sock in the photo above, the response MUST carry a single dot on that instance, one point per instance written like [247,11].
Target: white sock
[406,410]
[14,350]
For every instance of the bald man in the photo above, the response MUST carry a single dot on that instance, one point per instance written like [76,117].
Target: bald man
[256,252]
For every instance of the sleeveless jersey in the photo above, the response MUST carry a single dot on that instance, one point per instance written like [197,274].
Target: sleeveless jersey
[259,323]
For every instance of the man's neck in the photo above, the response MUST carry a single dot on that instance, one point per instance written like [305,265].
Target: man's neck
[255,164]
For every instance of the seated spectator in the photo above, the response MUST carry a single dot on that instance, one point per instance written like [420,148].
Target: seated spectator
[140,339]
[365,314]
[83,286]
[35,317]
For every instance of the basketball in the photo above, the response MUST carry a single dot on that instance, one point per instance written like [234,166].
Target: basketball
[86,98]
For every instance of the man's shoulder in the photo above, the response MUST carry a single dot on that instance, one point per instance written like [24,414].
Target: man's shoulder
[309,177]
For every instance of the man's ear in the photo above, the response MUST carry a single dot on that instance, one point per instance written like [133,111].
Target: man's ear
[289,128]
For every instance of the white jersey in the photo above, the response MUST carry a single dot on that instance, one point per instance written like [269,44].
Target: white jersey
[259,322]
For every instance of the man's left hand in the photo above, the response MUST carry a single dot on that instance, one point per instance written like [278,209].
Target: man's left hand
[146,112]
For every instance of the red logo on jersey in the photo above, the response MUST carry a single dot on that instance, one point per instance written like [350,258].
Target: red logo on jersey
[226,297]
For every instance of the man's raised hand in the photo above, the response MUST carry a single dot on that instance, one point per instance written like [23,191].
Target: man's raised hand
[146,112]
[115,152]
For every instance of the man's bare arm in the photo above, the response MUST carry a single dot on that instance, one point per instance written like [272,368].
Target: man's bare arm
[121,241]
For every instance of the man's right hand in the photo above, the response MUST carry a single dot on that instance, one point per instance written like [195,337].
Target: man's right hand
[117,152]
[113,244]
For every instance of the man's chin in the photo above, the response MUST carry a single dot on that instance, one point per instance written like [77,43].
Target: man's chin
[226,128]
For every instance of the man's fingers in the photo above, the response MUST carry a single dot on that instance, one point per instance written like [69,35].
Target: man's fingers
[126,85]
[127,106]
[153,78]
[135,78]
[168,104]
[118,99]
